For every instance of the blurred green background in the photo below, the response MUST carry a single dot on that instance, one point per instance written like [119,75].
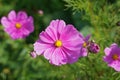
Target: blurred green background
[96,17]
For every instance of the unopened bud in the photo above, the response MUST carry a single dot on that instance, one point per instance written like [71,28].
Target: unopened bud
[94,48]
[33,54]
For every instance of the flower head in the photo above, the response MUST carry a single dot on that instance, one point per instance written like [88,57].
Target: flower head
[59,43]
[85,45]
[18,25]
[112,56]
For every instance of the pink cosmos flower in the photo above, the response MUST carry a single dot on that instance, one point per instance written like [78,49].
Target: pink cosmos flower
[112,56]
[59,43]
[18,25]
[85,45]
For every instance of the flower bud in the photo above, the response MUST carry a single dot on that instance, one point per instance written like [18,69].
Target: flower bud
[94,48]
[41,12]
[33,54]
[118,23]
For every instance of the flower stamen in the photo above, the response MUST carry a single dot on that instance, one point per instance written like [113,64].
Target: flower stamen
[58,43]
[18,25]
[115,57]
[84,44]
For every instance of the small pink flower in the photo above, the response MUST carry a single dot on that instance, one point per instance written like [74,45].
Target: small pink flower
[59,43]
[112,56]
[85,45]
[33,54]
[18,25]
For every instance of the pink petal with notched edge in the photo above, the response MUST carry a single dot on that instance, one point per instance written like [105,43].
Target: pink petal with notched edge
[27,25]
[80,35]
[114,45]
[69,33]
[21,15]
[40,47]
[20,34]
[30,24]
[72,56]
[59,25]
[10,30]
[84,52]
[45,38]
[63,57]
[14,36]
[115,65]
[48,53]
[5,22]
[57,58]
[108,59]
[26,32]
[71,46]
[87,37]
[52,33]
[107,51]
[12,15]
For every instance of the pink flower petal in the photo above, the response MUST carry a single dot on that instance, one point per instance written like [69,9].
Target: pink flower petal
[40,47]
[55,57]
[83,52]
[71,32]
[45,38]
[12,15]
[87,37]
[114,45]
[72,56]
[115,65]
[5,22]
[48,53]
[21,15]
[58,57]
[30,24]
[25,31]
[58,24]
[27,24]
[107,51]
[52,33]
[80,35]
[73,45]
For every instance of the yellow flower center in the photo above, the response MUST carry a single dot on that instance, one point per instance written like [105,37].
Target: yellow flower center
[58,43]
[115,57]
[6,71]
[18,25]
[84,44]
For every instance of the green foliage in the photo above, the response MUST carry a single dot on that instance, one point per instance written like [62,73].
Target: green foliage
[96,17]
